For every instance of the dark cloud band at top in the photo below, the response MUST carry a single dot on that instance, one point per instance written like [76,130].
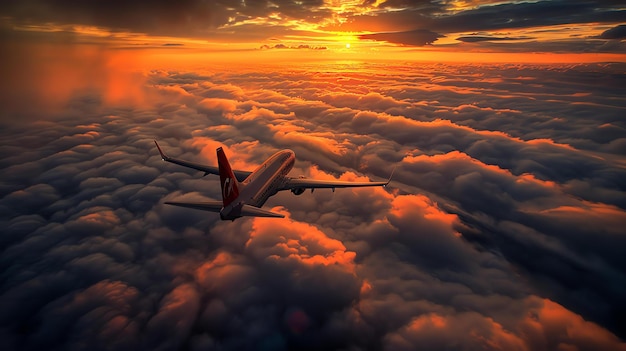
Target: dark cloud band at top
[418,37]
[618,32]
[414,23]
[479,38]
[526,15]
[187,18]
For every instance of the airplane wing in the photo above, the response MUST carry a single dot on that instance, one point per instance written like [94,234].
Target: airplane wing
[216,206]
[240,175]
[213,206]
[295,184]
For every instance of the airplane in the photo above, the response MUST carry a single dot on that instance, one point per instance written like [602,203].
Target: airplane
[244,192]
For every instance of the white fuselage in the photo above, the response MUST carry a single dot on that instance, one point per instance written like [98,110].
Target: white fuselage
[263,182]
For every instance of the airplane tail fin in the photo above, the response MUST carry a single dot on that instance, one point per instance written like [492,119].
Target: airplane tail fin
[230,186]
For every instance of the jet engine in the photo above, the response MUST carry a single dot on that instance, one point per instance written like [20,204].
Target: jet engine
[298,191]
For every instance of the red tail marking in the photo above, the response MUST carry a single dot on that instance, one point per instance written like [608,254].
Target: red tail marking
[230,188]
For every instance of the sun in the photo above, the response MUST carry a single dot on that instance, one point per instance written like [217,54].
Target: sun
[347,45]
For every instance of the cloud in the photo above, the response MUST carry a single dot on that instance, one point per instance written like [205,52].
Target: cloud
[298,47]
[398,24]
[502,227]
[181,305]
[568,329]
[524,15]
[48,76]
[433,331]
[185,18]
[478,38]
[617,32]
[544,318]
[418,37]
[497,15]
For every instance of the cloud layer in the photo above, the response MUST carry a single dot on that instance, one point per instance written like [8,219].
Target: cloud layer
[503,228]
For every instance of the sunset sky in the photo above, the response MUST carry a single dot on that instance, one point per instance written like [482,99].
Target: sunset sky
[502,31]
[502,229]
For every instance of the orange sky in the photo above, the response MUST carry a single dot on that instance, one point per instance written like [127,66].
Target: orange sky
[192,32]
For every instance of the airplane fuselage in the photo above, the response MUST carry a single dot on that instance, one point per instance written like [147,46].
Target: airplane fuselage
[262,183]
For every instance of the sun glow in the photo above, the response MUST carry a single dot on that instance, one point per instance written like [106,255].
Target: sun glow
[296,39]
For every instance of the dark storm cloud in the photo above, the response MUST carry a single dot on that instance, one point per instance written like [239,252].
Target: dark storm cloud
[528,14]
[182,18]
[502,228]
[509,15]
[479,38]
[142,16]
[618,32]
[399,4]
[418,16]
[419,37]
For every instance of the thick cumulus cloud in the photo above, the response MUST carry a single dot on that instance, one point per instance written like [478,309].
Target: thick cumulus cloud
[503,228]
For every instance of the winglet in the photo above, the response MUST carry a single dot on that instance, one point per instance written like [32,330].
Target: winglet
[391,175]
[163,155]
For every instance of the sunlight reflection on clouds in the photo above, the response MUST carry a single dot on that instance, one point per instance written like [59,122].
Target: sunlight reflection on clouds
[501,228]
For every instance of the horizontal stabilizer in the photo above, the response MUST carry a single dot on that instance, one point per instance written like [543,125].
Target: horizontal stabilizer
[247,210]
[213,206]
[217,206]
